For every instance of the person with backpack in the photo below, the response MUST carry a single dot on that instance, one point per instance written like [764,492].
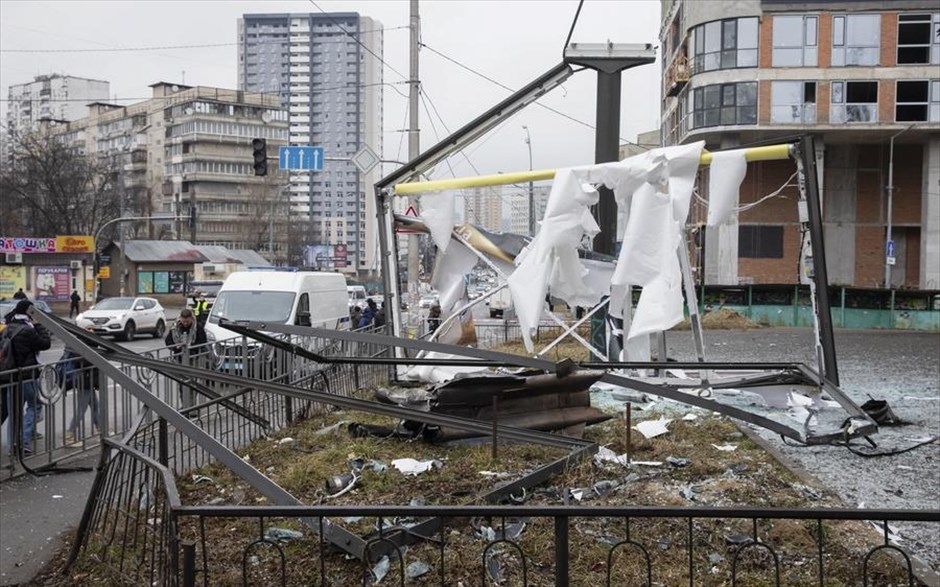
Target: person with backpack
[23,340]
[75,372]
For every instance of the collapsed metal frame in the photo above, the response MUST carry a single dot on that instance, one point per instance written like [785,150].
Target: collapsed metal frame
[788,374]
[87,346]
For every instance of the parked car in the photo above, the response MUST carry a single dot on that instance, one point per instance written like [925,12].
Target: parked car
[429,300]
[124,317]
[6,306]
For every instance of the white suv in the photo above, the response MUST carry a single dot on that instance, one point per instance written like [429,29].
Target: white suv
[124,317]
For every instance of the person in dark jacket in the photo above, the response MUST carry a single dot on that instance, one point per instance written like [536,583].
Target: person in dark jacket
[28,339]
[187,334]
[74,309]
[187,339]
[19,295]
[85,383]
[368,315]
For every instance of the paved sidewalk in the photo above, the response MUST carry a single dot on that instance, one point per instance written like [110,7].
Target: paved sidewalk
[36,513]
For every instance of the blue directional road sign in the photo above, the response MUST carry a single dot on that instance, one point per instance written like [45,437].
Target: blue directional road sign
[301,158]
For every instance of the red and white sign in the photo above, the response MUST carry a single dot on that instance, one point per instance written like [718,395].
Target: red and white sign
[412,212]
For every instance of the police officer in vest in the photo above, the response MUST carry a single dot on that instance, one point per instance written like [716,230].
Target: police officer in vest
[200,307]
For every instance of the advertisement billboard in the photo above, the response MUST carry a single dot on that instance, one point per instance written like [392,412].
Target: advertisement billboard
[11,279]
[51,284]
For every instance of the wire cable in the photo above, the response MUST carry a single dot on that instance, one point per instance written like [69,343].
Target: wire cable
[360,43]
[507,88]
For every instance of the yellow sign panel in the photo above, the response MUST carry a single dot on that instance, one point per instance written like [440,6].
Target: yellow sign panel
[104,273]
[11,279]
[75,244]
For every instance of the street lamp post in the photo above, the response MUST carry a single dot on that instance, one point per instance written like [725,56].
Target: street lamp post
[889,238]
[528,142]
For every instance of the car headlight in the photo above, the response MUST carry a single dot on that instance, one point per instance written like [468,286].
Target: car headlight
[210,336]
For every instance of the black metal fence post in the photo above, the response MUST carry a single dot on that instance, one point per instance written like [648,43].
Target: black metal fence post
[163,448]
[189,564]
[561,551]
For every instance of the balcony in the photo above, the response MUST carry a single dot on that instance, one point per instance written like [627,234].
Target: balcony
[677,76]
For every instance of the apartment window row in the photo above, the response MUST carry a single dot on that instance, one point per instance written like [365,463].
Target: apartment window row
[222,109]
[228,129]
[218,167]
[855,41]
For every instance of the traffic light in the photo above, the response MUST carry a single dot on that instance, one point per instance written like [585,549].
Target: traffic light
[259,148]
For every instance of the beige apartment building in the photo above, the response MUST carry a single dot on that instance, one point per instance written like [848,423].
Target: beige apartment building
[189,148]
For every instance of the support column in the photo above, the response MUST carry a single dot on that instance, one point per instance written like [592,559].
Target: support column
[930,217]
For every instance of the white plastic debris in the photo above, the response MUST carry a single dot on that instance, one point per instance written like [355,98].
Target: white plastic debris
[653,428]
[57,496]
[689,417]
[285,440]
[726,447]
[604,455]
[647,463]
[409,466]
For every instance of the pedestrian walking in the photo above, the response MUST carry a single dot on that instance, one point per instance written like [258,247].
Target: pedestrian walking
[74,309]
[80,375]
[27,339]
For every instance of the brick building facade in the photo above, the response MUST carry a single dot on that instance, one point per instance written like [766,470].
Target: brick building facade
[860,76]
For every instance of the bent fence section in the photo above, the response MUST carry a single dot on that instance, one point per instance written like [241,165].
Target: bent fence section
[135,530]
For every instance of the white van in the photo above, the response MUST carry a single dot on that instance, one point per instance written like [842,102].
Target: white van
[357,296]
[303,298]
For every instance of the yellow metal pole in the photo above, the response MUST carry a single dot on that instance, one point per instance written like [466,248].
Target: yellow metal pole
[767,153]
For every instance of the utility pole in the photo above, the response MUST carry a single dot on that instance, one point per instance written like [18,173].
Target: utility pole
[414,142]
[889,251]
[528,142]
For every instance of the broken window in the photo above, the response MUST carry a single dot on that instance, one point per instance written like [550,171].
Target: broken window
[918,38]
[854,102]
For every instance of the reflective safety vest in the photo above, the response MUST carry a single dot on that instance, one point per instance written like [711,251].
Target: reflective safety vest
[200,307]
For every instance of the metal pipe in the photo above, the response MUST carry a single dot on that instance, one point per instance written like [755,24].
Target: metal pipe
[889,237]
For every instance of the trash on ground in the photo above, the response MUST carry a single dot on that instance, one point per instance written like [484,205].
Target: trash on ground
[285,440]
[330,429]
[282,534]
[381,569]
[604,487]
[653,428]
[738,539]
[688,493]
[690,417]
[416,569]
[197,479]
[604,455]
[647,463]
[494,570]
[678,462]
[726,447]
[409,466]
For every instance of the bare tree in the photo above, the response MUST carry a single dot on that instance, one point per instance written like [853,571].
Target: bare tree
[56,190]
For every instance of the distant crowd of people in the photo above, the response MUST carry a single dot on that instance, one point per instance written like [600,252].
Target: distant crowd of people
[373,316]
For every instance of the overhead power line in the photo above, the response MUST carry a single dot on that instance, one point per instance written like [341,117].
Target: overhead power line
[505,87]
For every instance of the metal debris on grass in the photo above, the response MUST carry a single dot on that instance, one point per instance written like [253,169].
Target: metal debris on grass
[275,534]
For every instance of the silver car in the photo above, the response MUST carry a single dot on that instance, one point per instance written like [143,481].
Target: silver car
[124,317]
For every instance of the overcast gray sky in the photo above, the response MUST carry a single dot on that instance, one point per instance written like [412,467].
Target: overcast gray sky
[512,42]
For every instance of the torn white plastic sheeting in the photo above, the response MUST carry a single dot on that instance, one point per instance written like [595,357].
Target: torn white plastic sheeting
[725,174]
[449,270]
[649,252]
[653,428]
[726,447]
[552,256]
[656,188]
[438,373]
[409,466]
[437,212]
